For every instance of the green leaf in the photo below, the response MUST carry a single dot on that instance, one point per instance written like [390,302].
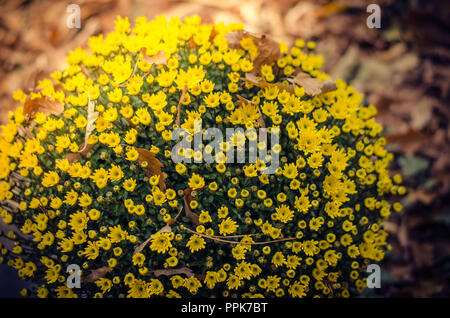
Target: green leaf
[411,165]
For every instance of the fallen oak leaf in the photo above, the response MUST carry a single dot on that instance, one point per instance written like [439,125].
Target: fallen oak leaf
[95,274]
[175,271]
[153,166]
[44,104]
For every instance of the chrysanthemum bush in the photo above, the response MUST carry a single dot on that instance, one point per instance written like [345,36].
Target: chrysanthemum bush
[87,176]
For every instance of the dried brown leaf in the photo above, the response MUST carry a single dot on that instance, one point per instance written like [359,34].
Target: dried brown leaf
[130,123]
[313,86]
[173,220]
[91,118]
[330,9]
[159,58]
[187,208]
[410,142]
[255,80]
[141,246]
[175,271]
[422,196]
[95,274]
[423,254]
[269,52]
[183,93]
[260,118]
[261,83]
[24,132]
[165,229]
[44,104]
[73,157]
[154,166]
[234,39]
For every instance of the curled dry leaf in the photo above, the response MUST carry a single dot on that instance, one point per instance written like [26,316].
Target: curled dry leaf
[165,229]
[421,195]
[131,123]
[191,43]
[260,118]
[234,38]
[159,58]
[313,86]
[261,83]
[269,50]
[328,86]
[154,166]
[25,132]
[183,93]
[141,246]
[187,208]
[44,104]
[255,80]
[91,118]
[95,274]
[73,157]
[173,220]
[175,271]
[85,147]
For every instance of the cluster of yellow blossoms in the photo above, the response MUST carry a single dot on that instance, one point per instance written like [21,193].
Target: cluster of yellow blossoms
[114,205]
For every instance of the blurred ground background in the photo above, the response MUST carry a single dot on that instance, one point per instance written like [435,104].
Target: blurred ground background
[402,68]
